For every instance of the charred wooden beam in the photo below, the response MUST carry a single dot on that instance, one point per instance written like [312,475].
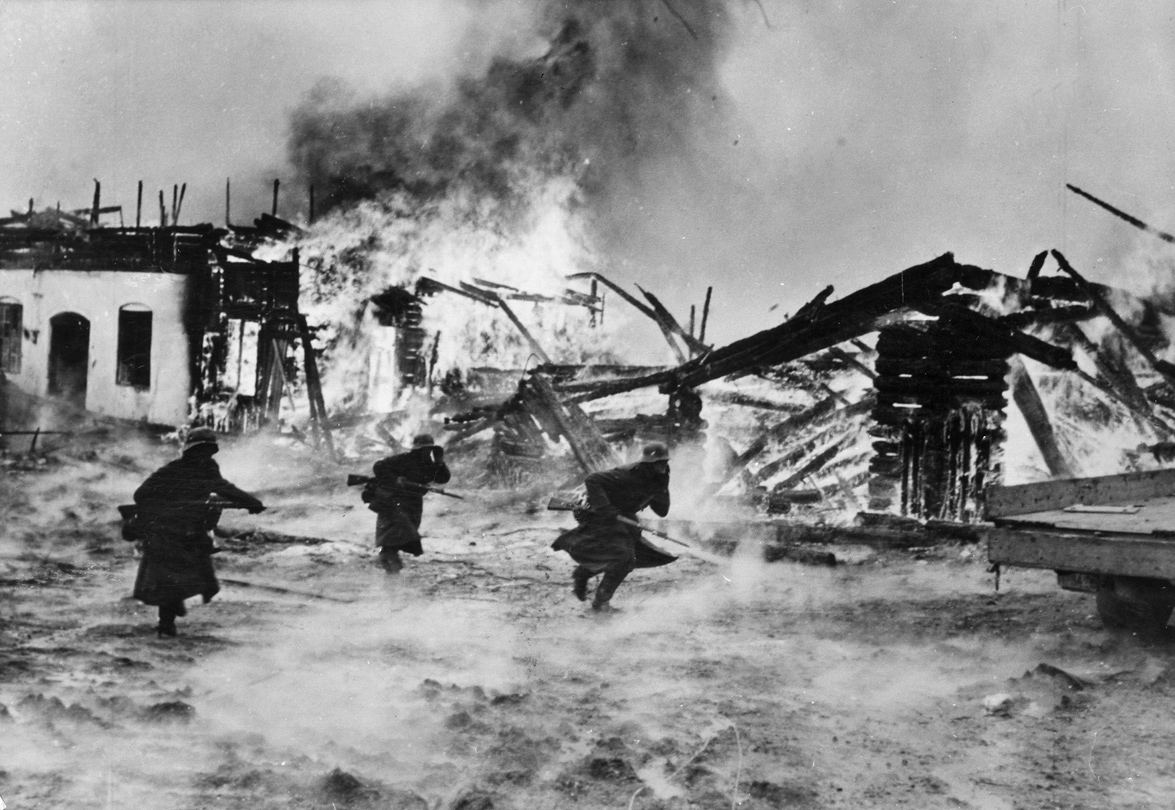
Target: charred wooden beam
[813,465]
[848,359]
[705,315]
[825,408]
[576,378]
[1010,341]
[611,388]
[314,384]
[97,204]
[1027,399]
[646,311]
[1138,223]
[1167,370]
[587,444]
[1037,265]
[1112,369]
[665,317]
[179,205]
[429,286]
[534,344]
[1049,315]
[426,286]
[735,398]
[812,308]
[852,316]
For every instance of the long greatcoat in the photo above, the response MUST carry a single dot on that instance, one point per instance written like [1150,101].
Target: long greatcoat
[600,542]
[399,510]
[174,522]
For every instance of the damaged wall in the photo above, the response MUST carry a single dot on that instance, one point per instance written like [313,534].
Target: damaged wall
[49,363]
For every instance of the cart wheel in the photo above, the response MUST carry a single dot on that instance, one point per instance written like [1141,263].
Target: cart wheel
[1135,603]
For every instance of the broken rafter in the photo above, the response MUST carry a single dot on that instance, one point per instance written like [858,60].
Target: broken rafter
[705,315]
[607,388]
[1036,266]
[426,286]
[534,344]
[824,408]
[1138,223]
[813,465]
[696,346]
[847,358]
[483,282]
[588,445]
[661,324]
[1110,366]
[1167,370]
[823,325]
[1010,340]
[1027,399]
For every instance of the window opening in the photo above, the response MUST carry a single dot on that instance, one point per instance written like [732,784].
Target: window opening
[134,347]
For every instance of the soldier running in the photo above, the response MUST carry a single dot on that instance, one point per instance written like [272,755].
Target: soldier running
[173,521]
[601,543]
[396,495]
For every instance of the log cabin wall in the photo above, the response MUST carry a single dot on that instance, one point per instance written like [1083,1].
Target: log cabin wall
[938,422]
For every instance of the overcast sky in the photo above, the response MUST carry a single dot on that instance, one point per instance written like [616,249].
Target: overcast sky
[863,137]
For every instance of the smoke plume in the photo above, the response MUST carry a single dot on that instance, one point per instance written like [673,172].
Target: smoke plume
[619,88]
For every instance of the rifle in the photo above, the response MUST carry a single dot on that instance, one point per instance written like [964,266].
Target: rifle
[359,480]
[130,510]
[560,503]
[693,550]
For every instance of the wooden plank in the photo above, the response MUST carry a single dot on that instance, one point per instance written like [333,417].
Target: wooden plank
[1134,556]
[1146,517]
[1023,499]
[1036,416]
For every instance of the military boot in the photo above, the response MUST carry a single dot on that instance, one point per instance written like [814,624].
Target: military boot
[608,585]
[167,614]
[579,580]
[389,558]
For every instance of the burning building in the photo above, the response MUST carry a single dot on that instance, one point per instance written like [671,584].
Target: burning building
[162,325]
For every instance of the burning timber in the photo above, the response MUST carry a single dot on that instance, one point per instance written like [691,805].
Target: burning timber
[892,399]
[932,394]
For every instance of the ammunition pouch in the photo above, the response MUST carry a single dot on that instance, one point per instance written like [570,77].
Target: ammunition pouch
[131,528]
[377,497]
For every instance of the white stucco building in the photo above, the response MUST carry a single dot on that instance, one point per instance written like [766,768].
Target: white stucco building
[139,324]
[108,341]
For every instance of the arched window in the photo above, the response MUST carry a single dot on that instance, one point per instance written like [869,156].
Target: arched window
[11,330]
[134,346]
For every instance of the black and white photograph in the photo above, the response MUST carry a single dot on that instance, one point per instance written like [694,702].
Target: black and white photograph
[587,404]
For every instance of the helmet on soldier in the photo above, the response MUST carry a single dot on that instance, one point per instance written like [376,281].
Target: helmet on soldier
[423,440]
[200,435]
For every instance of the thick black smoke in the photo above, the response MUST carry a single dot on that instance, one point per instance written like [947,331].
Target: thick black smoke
[624,89]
